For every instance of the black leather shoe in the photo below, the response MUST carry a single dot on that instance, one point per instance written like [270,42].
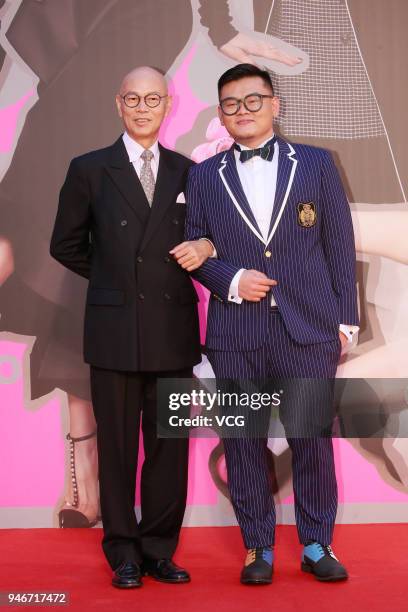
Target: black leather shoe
[127,576]
[258,568]
[164,570]
[321,561]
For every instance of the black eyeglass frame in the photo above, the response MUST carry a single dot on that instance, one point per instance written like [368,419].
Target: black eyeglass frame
[240,101]
[139,98]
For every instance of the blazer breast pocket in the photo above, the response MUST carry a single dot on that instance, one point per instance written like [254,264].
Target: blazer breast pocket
[105,297]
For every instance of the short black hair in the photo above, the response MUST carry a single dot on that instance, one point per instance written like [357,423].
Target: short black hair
[240,71]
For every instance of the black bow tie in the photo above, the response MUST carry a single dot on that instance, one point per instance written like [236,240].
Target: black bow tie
[265,152]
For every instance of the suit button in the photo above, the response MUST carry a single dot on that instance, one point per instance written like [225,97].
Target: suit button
[167,296]
[141,296]
[268,253]
[166,259]
[175,221]
[123,222]
[139,259]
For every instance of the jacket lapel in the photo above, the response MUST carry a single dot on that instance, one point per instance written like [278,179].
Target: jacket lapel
[123,174]
[287,164]
[163,193]
[230,178]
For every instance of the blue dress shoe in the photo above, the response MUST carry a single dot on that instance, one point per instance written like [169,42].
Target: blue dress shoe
[321,561]
[127,576]
[164,570]
[258,567]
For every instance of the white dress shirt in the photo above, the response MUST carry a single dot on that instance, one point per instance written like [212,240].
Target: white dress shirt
[135,150]
[258,178]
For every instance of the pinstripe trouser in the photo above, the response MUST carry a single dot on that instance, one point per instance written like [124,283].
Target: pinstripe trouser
[314,478]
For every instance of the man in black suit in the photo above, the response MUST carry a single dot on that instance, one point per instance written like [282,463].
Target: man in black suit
[121,211]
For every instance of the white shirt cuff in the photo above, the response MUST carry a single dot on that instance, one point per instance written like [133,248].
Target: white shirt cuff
[351,333]
[233,290]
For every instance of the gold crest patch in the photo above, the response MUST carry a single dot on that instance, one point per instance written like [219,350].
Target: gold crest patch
[306,214]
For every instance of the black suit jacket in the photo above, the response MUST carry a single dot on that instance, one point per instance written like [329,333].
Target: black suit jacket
[141,308]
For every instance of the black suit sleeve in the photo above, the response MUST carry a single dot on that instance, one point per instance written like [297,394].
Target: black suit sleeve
[70,242]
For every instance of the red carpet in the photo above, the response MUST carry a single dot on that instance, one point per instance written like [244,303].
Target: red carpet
[71,560]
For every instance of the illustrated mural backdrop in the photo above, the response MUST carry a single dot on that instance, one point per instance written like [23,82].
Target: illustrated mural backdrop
[61,63]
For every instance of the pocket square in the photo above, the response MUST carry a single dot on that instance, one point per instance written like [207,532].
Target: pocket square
[181,199]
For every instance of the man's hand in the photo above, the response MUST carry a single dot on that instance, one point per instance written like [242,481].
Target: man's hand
[242,47]
[253,285]
[343,340]
[191,255]
[6,260]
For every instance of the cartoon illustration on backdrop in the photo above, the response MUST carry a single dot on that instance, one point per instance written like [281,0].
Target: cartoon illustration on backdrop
[46,57]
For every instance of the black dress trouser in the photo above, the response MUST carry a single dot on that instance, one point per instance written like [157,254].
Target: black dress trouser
[119,399]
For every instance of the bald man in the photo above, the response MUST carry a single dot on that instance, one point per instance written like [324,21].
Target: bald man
[121,211]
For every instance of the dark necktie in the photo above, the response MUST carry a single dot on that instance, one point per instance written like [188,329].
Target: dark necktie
[265,152]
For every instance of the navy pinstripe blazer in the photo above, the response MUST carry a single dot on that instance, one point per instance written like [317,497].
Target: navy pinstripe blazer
[314,265]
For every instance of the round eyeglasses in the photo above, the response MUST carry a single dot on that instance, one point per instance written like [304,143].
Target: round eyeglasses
[253,102]
[151,100]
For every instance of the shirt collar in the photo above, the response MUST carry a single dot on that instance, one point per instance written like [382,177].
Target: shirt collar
[134,149]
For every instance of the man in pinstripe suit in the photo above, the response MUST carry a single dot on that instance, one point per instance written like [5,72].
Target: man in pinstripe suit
[283,302]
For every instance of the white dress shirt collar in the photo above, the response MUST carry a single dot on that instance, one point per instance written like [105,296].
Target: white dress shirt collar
[134,149]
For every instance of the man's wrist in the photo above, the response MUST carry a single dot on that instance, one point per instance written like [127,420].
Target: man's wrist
[211,248]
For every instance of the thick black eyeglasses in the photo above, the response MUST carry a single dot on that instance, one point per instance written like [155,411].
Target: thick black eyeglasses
[151,100]
[253,102]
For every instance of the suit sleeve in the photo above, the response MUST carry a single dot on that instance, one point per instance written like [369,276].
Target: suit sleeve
[338,241]
[214,274]
[70,242]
